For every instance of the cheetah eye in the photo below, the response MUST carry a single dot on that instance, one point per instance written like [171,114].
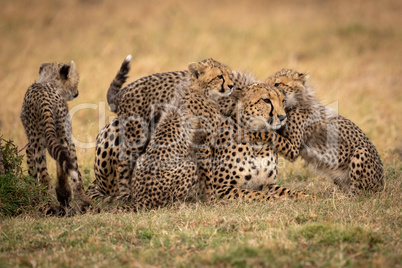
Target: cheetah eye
[267,101]
[220,76]
[277,84]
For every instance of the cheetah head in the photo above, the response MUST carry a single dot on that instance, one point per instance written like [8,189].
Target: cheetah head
[293,84]
[213,77]
[261,107]
[63,75]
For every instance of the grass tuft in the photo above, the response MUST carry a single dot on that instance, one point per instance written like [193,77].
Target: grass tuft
[319,234]
[19,194]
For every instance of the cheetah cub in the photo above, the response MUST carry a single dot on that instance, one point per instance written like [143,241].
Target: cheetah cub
[333,144]
[167,171]
[47,125]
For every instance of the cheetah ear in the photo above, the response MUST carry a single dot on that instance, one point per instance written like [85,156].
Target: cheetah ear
[195,69]
[72,67]
[43,66]
[238,93]
[64,71]
[304,76]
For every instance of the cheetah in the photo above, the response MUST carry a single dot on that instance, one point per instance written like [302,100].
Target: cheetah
[236,168]
[47,125]
[167,170]
[122,141]
[333,144]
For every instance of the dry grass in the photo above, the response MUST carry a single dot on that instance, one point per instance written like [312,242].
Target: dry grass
[353,51]
[333,232]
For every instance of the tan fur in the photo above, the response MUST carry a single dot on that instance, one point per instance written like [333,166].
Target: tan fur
[236,169]
[136,112]
[47,124]
[255,99]
[334,145]
[167,171]
[261,176]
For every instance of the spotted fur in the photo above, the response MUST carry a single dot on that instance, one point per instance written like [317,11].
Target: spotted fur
[167,171]
[139,107]
[47,125]
[135,96]
[334,145]
[236,168]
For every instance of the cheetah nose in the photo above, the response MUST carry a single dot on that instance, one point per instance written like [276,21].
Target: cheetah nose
[282,117]
[231,86]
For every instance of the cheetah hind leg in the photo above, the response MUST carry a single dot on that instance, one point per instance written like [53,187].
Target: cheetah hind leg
[123,177]
[279,191]
[93,191]
[32,171]
[76,183]
[365,174]
[63,193]
[63,189]
[41,168]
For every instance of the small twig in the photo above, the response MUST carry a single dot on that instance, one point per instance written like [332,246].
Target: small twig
[22,148]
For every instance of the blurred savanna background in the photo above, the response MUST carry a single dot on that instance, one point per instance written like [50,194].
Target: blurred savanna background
[353,51]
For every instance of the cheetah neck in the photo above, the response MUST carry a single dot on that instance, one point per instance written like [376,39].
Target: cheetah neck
[183,100]
[303,100]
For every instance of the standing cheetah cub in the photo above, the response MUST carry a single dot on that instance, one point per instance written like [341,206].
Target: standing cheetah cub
[333,144]
[47,125]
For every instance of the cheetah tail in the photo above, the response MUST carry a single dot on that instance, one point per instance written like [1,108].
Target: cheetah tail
[57,151]
[117,83]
